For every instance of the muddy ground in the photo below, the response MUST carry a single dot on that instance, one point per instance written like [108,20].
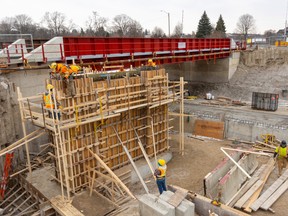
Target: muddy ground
[188,171]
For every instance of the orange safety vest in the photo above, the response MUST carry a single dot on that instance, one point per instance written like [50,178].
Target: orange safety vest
[282,153]
[48,100]
[61,68]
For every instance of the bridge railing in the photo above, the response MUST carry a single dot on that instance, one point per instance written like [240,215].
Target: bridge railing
[81,46]
[93,48]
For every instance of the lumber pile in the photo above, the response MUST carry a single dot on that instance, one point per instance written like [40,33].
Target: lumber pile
[247,196]
[224,101]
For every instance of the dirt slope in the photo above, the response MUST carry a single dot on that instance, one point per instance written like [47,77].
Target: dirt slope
[271,78]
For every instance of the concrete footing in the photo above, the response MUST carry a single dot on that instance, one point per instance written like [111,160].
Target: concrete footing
[186,208]
[150,204]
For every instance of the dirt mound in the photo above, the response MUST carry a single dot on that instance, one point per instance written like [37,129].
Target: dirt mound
[271,78]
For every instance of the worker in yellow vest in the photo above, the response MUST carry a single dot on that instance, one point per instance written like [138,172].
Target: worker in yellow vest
[49,101]
[151,63]
[160,174]
[281,155]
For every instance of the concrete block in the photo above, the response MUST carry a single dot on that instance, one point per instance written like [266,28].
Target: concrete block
[186,208]
[150,204]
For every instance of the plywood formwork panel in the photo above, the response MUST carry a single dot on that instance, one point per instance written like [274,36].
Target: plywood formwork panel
[209,128]
[94,110]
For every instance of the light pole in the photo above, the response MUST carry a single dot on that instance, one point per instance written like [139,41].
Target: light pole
[168,21]
[13,29]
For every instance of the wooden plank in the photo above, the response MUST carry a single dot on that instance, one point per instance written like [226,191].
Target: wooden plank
[265,196]
[268,203]
[263,176]
[177,197]
[112,174]
[64,208]
[247,186]
[209,128]
[248,194]
[243,190]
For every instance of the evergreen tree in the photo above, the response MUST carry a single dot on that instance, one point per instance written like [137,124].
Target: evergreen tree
[204,27]
[220,29]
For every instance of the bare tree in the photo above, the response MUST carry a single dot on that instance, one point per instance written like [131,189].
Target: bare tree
[177,30]
[158,32]
[125,26]
[121,24]
[135,29]
[96,25]
[23,23]
[55,22]
[245,25]
[7,25]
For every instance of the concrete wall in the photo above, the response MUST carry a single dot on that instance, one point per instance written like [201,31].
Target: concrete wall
[240,124]
[210,71]
[233,63]
[234,179]
[31,82]
[211,180]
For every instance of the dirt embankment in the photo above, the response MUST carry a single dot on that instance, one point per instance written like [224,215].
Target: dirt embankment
[270,77]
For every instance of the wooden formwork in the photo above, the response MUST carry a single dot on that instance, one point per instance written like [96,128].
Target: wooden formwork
[99,119]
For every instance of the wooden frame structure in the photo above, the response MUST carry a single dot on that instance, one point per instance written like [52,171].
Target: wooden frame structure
[98,120]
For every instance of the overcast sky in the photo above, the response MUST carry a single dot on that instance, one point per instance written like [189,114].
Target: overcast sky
[269,14]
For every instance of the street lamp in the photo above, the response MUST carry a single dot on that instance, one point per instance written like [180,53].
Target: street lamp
[13,29]
[168,21]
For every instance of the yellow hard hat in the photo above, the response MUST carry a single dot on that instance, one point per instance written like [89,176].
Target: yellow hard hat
[161,162]
[150,60]
[49,87]
[53,65]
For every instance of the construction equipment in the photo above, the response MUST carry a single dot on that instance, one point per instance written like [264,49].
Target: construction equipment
[5,178]
[269,139]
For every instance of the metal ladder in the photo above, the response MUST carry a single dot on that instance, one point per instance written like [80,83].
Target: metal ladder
[7,167]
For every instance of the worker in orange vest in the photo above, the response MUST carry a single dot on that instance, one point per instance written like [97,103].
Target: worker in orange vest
[49,101]
[281,155]
[160,174]
[64,70]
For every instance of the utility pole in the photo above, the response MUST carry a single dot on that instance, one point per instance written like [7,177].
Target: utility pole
[285,30]
[168,21]
[182,23]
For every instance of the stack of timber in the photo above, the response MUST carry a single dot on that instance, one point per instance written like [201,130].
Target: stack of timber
[250,191]
[98,114]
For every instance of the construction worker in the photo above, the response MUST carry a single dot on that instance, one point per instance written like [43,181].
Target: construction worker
[160,174]
[151,63]
[64,70]
[281,155]
[49,101]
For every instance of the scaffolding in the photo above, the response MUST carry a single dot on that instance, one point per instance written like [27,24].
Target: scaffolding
[106,121]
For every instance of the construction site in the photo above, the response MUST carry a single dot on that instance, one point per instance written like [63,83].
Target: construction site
[86,121]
